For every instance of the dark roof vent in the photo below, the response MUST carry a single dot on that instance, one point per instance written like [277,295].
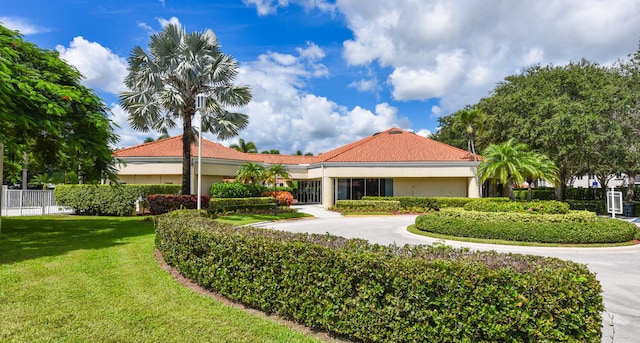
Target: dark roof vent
[395,132]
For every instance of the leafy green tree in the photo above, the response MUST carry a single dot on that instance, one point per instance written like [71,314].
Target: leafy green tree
[242,146]
[272,152]
[543,169]
[46,113]
[164,84]
[564,111]
[250,172]
[276,169]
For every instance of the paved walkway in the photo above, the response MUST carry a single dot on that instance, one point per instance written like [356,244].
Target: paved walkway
[617,268]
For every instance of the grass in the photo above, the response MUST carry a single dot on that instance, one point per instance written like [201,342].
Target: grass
[83,279]
[413,229]
[250,218]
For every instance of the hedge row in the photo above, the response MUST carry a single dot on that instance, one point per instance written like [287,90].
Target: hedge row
[372,293]
[109,200]
[498,205]
[367,205]
[222,205]
[163,203]
[559,228]
[241,190]
[423,203]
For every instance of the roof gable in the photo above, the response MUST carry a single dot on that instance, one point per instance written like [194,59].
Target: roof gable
[396,145]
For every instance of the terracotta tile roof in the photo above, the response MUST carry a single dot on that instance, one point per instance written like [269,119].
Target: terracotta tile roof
[172,147]
[393,145]
[396,145]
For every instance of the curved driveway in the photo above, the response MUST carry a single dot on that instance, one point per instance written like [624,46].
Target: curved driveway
[617,268]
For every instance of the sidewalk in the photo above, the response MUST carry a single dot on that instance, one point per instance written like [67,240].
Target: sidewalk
[317,211]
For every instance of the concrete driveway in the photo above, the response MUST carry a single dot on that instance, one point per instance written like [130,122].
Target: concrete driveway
[617,269]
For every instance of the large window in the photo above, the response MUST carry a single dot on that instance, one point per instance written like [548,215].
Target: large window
[355,189]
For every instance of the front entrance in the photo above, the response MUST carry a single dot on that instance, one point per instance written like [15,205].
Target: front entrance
[310,192]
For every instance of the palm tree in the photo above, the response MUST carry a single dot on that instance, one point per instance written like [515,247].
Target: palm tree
[545,169]
[164,84]
[276,169]
[508,162]
[243,146]
[250,172]
[471,119]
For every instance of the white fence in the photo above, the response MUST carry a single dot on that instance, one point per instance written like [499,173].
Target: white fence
[30,203]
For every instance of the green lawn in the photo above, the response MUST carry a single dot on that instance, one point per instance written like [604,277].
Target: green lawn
[95,279]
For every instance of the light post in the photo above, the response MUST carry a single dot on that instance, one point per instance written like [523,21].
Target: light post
[201,103]
[275,196]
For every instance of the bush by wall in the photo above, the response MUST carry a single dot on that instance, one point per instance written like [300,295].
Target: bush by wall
[572,228]
[283,198]
[222,205]
[535,206]
[163,203]
[367,205]
[109,200]
[372,293]
[423,204]
[536,193]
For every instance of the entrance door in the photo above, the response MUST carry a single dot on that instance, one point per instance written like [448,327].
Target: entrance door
[310,192]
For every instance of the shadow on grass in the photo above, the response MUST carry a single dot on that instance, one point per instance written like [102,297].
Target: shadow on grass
[25,238]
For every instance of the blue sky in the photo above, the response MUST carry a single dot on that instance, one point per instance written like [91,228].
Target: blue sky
[326,73]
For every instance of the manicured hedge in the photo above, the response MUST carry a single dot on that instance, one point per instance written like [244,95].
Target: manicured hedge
[108,200]
[283,198]
[537,193]
[163,203]
[574,228]
[536,206]
[423,203]
[367,205]
[241,190]
[372,293]
[222,205]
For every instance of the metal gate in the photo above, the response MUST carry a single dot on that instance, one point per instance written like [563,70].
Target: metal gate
[30,203]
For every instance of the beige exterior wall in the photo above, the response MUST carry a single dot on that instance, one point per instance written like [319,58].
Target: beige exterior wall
[422,187]
[437,179]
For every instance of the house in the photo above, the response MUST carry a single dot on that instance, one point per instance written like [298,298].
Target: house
[394,162]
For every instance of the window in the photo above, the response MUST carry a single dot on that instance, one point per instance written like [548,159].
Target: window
[355,189]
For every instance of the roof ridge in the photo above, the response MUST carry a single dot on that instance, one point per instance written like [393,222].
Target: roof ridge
[164,140]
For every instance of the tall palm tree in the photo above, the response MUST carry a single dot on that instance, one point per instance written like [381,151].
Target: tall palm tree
[243,146]
[250,172]
[164,84]
[276,169]
[508,162]
[471,120]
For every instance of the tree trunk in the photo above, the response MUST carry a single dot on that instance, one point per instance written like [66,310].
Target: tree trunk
[529,191]
[631,186]
[560,187]
[186,152]
[25,174]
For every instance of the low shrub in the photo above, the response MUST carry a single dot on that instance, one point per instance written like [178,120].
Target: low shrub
[109,200]
[536,206]
[367,205]
[422,204]
[597,206]
[536,193]
[282,198]
[572,228]
[163,203]
[372,293]
[223,205]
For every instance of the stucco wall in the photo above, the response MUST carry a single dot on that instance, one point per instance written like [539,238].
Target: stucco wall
[439,186]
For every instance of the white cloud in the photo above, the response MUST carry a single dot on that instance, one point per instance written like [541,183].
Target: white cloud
[164,22]
[22,25]
[101,68]
[267,7]
[284,116]
[457,50]
[364,85]
[424,133]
